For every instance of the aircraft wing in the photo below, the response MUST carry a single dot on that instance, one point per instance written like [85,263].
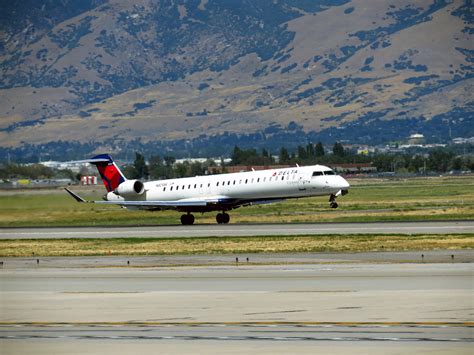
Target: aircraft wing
[170,204]
[156,203]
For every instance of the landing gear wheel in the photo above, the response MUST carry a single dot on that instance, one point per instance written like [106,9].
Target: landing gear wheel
[226,218]
[333,204]
[187,219]
[222,218]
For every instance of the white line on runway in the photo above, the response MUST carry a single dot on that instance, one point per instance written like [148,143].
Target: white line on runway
[184,231]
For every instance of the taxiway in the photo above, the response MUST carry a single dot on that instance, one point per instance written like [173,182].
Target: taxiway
[361,307]
[449,227]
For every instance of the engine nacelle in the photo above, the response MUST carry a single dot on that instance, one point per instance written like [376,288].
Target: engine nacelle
[130,188]
[112,196]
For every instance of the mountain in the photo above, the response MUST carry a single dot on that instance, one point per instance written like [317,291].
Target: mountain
[202,75]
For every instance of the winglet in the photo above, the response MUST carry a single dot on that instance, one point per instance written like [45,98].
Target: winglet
[76,197]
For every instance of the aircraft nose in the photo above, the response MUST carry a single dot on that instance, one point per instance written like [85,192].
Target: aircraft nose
[343,184]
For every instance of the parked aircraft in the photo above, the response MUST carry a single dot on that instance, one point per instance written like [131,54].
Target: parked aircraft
[221,193]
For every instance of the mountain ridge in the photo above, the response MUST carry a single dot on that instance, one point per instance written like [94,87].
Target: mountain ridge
[194,71]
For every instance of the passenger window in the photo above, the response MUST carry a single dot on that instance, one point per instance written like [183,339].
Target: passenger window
[209,185]
[246,180]
[189,186]
[234,182]
[258,180]
[171,189]
[228,182]
[196,185]
[282,178]
[217,184]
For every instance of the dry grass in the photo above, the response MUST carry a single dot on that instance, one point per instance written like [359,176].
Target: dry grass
[438,198]
[227,245]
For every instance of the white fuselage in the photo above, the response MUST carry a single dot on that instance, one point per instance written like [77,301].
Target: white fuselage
[262,185]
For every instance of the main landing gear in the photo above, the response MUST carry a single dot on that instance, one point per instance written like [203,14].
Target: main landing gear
[187,219]
[222,218]
[332,201]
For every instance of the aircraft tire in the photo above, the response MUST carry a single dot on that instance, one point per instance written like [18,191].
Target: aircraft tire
[225,218]
[187,219]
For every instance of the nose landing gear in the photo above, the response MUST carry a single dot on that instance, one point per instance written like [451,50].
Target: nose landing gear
[222,218]
[332,201]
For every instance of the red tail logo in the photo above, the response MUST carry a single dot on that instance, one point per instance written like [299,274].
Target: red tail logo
[111,175]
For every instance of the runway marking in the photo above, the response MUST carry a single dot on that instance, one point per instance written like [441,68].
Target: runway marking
[238,323]
[256,231]
[232,338]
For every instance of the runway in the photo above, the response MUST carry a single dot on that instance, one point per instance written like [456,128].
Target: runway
[241,230]
[355,307]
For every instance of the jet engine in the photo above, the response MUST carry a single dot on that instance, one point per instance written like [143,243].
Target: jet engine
[130,188]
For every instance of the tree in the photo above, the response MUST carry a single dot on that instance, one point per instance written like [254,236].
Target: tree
[338,150]
[310,153]
[130,172]
[284,157]
[439,160]
[157,169]
[245,157]
[319,150]
[140,166]
[302,153]
[169,161]
[181,169]
[196,169]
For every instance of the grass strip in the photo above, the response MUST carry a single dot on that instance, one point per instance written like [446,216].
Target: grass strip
[232,245]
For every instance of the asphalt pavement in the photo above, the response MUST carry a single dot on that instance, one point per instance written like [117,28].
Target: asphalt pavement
[216,230]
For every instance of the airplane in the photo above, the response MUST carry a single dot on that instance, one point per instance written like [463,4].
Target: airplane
[221,192]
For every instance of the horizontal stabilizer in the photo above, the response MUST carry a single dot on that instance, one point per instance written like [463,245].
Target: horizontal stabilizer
[75,196]
[92,161]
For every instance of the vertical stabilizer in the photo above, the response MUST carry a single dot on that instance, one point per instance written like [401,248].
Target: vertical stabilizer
[111,175]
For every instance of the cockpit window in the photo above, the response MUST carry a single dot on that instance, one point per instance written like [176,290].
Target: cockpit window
[326,172]
[329,172]
[317,173]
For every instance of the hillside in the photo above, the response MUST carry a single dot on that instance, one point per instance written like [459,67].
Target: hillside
[190,74]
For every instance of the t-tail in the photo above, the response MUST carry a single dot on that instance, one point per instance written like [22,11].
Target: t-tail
[111,175]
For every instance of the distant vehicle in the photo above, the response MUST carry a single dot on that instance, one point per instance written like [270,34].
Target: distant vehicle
[221,193]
